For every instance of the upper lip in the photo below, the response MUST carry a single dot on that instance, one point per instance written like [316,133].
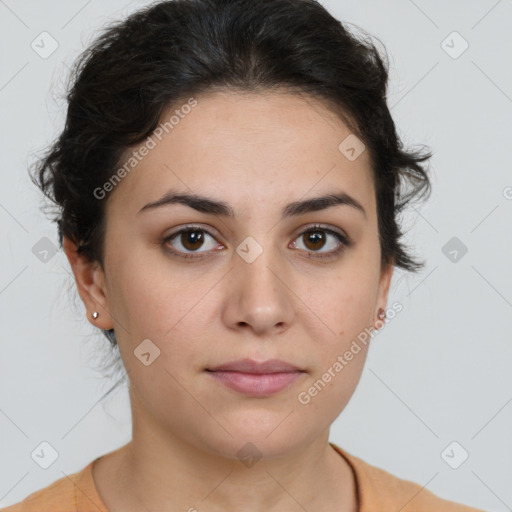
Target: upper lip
[251,366]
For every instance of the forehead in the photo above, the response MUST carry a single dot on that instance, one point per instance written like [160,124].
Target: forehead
[246,148]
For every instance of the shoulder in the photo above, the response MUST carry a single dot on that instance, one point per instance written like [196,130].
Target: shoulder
[380,490]
[60,496]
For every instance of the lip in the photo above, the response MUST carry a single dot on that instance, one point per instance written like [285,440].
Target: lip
[251,366]
[256,379]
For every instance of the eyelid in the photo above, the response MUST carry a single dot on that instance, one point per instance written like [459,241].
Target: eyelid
[344,240]
[327,228]
[301,230]
[190,227]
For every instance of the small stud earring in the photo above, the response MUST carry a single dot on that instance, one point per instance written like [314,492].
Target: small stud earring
[95,315]
[382,314]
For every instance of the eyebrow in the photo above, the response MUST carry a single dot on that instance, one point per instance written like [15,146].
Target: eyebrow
[214,207]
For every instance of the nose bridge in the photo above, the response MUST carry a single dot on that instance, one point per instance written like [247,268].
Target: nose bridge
[258,263]
[261,297]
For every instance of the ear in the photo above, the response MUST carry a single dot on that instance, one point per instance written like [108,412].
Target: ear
[90,282]
[384,282]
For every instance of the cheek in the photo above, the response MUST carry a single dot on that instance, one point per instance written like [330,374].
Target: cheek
[346,309]
[341,363]
[146,298]
[170,310]
[344,296]
[344,303]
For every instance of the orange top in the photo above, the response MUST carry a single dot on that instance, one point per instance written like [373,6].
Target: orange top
[377,490]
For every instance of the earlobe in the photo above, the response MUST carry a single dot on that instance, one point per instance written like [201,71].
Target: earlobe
[90,283]
[384,284]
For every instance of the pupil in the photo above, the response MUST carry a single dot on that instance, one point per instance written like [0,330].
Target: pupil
[192,239]
[316,236]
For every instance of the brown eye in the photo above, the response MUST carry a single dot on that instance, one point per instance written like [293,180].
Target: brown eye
[190,240]
[316,238]
[187,242]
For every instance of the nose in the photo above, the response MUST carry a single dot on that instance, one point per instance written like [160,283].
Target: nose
[258,296]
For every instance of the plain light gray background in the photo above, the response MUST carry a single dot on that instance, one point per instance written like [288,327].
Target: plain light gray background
[438,373]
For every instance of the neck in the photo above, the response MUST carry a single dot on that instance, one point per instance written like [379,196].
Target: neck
[160,472]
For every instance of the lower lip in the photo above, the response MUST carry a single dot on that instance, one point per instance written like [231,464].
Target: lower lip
[257,385]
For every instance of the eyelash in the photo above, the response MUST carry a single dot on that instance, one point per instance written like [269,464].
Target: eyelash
[342,239]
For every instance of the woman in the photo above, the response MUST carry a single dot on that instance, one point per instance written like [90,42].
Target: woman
[228,184]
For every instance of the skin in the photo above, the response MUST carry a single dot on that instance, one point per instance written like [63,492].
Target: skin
[256,152]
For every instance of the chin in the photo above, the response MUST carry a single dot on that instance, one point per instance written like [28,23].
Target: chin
[248,449]
[259,435]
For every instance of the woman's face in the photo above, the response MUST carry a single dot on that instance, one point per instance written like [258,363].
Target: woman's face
[251,285]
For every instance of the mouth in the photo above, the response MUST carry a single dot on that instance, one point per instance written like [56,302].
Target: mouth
[255,379]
